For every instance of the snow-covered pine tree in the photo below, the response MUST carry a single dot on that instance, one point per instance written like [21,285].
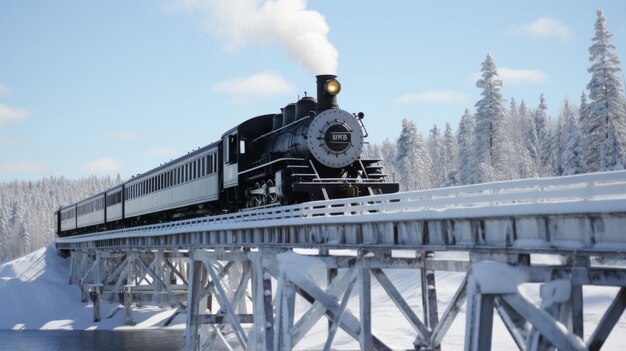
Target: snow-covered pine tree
[530,160]
[371,151]
[466,160]
[515,133]
[489,133]
[612,155]
[450,156]
[4,225]
[544,137]
[559,142]
[518,155]
[388,151]
[412,160]
[509,145]
[513,112]
[607,108]
[571,141]
[585,127]
[436,153]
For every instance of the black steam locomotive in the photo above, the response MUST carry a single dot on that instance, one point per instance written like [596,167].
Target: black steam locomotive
[309,151]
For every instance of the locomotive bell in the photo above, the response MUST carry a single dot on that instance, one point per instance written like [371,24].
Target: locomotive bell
[289,114]
[327,89]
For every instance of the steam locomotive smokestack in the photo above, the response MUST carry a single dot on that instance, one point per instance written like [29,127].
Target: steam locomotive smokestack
[325,99]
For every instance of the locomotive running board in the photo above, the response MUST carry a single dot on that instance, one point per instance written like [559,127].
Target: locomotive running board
[277,204]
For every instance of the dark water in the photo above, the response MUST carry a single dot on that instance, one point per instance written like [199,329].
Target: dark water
[91,340]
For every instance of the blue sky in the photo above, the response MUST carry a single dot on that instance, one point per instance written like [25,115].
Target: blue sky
[95,87]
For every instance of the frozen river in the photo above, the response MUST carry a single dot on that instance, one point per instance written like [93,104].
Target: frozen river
[91,340]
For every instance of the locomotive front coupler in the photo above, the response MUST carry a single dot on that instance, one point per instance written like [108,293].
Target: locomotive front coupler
[349,191]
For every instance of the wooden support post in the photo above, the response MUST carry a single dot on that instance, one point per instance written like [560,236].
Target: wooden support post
[268,310]
[128,305]
[84,292]
[263,328]
[365,309]
[577,310]
[193,301]
[581,263]
[424,289]
[429,292]
[485,322]
[256,335]
[94,296]
[479,319]
[72,267]
[132,269]
[172,274]
[157,266]
[98,266]
[284,314]
[331,273]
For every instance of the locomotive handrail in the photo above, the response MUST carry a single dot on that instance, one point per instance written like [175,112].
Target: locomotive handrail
[588,193]
[281,128]
[269,163]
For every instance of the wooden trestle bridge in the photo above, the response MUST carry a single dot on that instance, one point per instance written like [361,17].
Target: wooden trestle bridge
[236,276]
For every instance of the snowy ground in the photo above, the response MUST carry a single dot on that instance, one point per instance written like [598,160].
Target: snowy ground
[34,294]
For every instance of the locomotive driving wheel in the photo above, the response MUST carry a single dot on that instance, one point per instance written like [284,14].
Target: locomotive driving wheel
[256,195]
[262,193]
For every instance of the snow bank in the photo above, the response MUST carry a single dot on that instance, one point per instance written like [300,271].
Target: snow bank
[35,294]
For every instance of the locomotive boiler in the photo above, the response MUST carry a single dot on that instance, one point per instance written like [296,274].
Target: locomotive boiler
[312,152]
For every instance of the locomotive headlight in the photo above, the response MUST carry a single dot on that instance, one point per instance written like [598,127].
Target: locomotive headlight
[332,87]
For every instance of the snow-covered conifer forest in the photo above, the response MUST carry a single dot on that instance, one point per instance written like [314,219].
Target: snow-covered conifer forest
[27,210]
[504,140]
[501,139]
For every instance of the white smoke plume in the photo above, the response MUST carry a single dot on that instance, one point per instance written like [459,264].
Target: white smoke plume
[300,32]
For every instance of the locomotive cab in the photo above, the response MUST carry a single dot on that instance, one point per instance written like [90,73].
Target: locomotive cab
[230,157]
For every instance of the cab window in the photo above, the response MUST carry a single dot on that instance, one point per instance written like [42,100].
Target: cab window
[231,149]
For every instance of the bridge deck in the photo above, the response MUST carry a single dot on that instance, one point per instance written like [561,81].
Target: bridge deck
[585,214]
